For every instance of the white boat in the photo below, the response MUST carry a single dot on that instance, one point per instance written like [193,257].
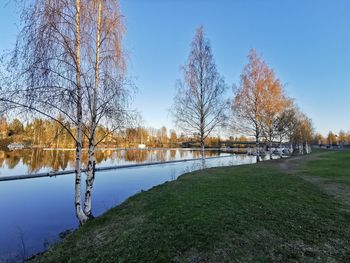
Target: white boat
[15,146]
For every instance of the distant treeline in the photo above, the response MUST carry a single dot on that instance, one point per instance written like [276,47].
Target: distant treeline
[341,138]
[48,133]
[36,159]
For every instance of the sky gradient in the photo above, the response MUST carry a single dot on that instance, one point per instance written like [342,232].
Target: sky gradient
[306,42]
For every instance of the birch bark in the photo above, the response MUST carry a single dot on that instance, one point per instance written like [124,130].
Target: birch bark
[91,156]
[78,208]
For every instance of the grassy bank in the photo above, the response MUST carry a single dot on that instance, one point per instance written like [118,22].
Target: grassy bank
[268,212]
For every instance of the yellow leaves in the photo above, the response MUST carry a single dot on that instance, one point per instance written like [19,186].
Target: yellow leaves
[261,107]
[260,91]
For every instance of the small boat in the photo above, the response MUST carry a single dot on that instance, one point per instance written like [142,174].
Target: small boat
[15,146]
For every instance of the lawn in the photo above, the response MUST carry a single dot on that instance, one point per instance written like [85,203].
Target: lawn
[251,213]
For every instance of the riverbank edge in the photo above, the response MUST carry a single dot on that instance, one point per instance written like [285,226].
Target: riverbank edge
[68,233]
[64,234]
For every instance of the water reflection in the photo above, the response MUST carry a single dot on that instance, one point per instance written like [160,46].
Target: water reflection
[47,203]
[41,160]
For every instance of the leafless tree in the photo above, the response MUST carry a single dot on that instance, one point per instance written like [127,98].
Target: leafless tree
[199,105]
[44,72]
[106,93]
[285,125]
[68,62]
[275,105]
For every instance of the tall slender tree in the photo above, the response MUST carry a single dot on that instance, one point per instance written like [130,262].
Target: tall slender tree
[199,105]
[106,94]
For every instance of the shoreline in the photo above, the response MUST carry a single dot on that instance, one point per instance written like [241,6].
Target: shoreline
[101,169]
[206,216]
[64,234]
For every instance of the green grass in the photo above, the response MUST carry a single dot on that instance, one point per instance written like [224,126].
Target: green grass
[253,213]
[334,165]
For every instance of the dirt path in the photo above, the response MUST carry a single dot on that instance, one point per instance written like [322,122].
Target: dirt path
[293,165]
[338,191]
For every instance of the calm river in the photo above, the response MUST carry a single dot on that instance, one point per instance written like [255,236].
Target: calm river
[34,211]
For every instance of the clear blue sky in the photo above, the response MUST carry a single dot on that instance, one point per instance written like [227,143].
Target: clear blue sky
[306,42]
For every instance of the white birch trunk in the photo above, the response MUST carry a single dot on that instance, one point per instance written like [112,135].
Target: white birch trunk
[202,149]
[90,179]
[307,148]
[281,149]
[78,208]
[91,151]
[270,149]
[257,144]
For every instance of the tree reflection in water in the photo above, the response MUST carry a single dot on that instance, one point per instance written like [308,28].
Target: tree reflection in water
[34,160]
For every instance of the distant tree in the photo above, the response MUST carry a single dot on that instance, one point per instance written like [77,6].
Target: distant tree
[173,138]
[132,137]
[152,137]
[285,124]
[142,135]
[332,139]
[307,131]
[164,136]
[342,137]
[318,139]
[15,127]
[199,105]
[302,132]
[3,126]
[274,108]
[348,137]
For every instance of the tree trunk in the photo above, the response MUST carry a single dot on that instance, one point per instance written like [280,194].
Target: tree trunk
[257,144]
[202,145]
[91,151]
[270,149]
[79,211]
[90,179]
[306,148]
[281,150]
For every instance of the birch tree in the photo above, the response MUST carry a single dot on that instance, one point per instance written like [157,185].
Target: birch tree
[250,99]
[303,132]
[275,104]
[68,62]
[199,105]
[44,71]
[296,128]
[285,125]
[106,93]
